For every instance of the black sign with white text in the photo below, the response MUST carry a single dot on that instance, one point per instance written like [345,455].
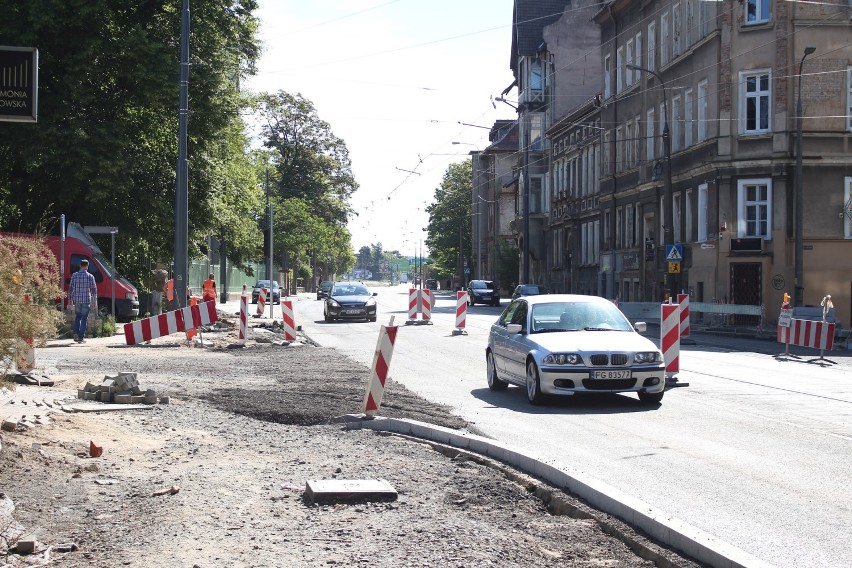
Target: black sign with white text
[18,84]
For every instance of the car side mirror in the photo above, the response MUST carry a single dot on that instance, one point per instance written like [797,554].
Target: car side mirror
[640,326]
[514,328]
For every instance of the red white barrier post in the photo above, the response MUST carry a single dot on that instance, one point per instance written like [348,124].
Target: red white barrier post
[413,304]
[426,300]
[261,303]
[670,337]
[461,313]
[381,365]
[808,333]
[175,321]
[419,302]
[243,316]
[683,301]
[288,320]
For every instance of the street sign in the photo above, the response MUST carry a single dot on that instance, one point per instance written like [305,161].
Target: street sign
[674,253]
[785,317]
[674,267]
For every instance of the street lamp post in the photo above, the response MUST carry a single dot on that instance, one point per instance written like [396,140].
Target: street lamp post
[668,212]
[799,283]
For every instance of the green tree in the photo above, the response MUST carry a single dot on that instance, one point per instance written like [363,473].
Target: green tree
[105,146]
[449,228]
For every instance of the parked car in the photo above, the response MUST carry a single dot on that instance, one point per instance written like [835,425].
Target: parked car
[276,291]
[350,300]
[324,289]
[484,292]
[431,284]
[565,344]
[529,290]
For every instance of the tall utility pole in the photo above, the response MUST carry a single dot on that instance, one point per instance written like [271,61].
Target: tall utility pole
[668,209]
[799,283]
[271,247]
[181,191]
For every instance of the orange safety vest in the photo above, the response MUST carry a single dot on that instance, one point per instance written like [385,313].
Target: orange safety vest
[208,290]
[170,289]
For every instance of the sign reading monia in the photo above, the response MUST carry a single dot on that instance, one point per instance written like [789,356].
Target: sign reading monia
[18,84]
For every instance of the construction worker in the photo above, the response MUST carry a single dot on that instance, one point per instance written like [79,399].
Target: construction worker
[169,289]
[208,290]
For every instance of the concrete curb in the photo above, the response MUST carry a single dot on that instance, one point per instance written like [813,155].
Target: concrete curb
[663,528]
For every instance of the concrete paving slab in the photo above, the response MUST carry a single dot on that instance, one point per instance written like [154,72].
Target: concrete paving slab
[348,489]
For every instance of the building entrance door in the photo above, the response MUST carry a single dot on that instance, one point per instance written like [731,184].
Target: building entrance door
[746,284]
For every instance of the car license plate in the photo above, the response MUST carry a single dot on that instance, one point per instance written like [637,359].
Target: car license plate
[486,296]
[625,374]
[353,312]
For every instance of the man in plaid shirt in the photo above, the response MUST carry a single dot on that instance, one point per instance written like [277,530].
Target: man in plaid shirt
[83,294]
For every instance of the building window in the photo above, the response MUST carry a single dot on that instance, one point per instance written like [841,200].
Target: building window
[607,156]
[661,148]
[847,207]
[650,139]
[688,212]
[690,22]
[535,75]
[619,63]
[704,16]
[628,144]
[757,11]
[535,131]
[619,150]
[628,72]
[849,98]
[687,118]
[702,213]
[607,76]
[676,124]
[618,226]
[630,211]
[664,39]
[676,30]
[755,102]
[607,229]
[638,55]
[702,110]
[754,208]
[637,136]
[652,45]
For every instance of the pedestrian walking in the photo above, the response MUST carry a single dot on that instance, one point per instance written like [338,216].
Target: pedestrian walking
[83,295]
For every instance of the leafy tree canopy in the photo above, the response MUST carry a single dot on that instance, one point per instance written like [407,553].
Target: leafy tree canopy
[450,222]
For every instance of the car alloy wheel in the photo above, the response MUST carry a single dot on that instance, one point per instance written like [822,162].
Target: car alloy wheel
[494,383]
[534,394]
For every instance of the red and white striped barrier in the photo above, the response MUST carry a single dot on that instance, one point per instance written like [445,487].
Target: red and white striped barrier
[683,301]
[261,303]
[670,337]
[808,333]
[426,301]
[175,321]
[288,321]
[243,316]
[25,354]
[461,312]
[381,365]
[413,303]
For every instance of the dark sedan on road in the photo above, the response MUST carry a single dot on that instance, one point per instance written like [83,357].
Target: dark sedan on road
[483,292]
[529,290]
[276,291]
[350,300]
[324,289]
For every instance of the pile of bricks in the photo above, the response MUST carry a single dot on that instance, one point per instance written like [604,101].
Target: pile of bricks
[122,388]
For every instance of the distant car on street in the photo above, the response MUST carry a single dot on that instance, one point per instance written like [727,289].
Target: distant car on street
[350,300]
[276,291]
[529,290]
[567,344]
[431,284]
[324,289]
[483,292]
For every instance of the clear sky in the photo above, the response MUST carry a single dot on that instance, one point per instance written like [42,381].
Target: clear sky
[394,79]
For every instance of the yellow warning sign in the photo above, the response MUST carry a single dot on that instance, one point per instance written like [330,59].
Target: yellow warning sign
[674,268]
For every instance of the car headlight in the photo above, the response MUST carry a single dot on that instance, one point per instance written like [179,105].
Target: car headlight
[370,302]
[647,357]
[333,304]
[563,359]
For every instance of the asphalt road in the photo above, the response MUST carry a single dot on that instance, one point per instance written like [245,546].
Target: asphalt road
[755,451]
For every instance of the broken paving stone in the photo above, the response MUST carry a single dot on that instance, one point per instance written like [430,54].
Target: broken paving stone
[9,425]
[173,490]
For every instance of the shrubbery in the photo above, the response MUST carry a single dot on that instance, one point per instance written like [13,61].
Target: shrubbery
[27,266]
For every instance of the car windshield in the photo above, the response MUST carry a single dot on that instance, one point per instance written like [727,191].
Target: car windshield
[481,285]
[265,284]
[350,290]
[578,316]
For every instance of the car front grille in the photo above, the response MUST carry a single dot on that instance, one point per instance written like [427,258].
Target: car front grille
[608,384]
[602,359]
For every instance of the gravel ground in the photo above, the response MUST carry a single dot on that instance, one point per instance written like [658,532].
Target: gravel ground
[216,477]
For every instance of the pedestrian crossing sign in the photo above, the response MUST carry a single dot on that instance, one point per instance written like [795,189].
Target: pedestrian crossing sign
[674,253]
